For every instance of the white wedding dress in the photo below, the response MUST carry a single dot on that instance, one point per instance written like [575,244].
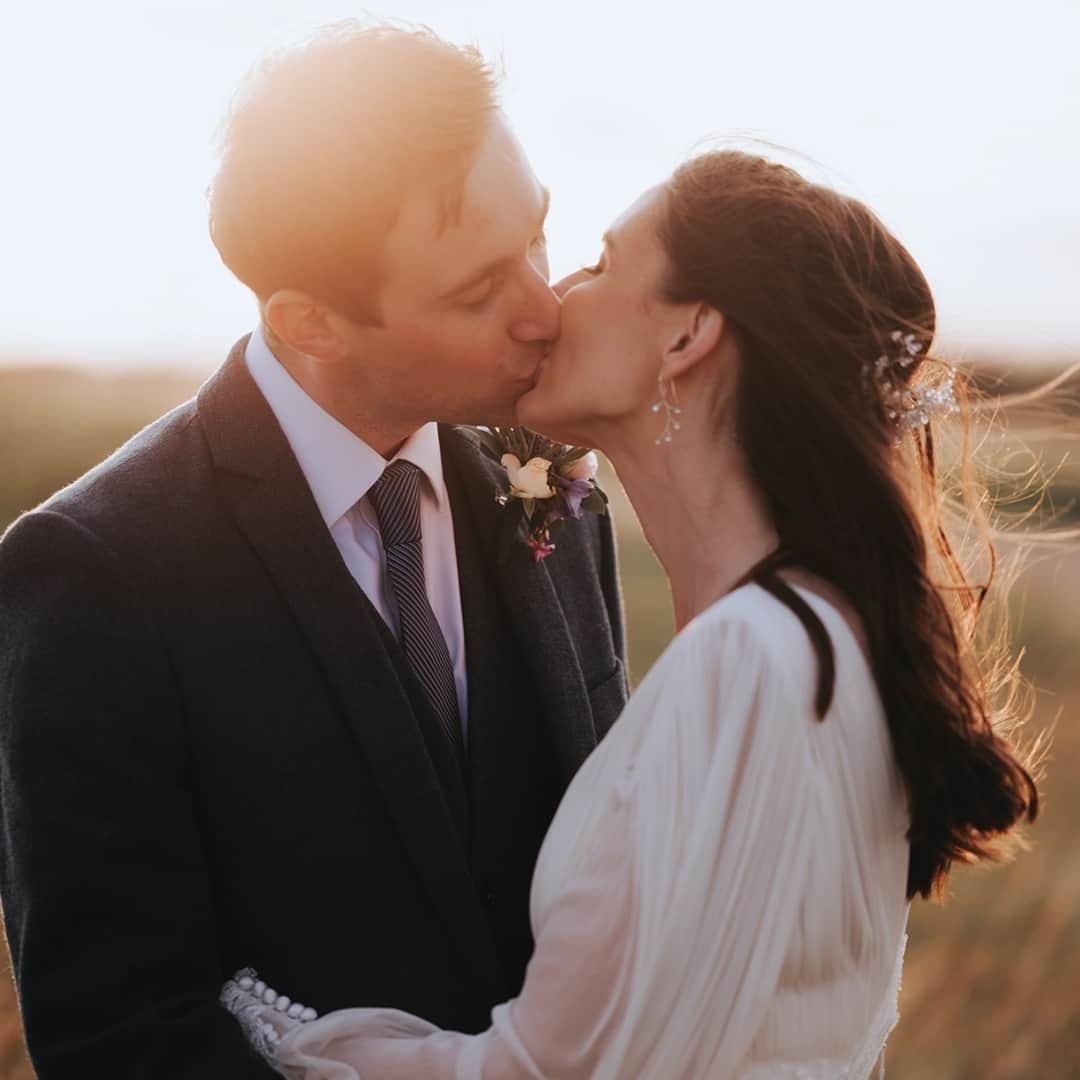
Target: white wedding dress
[720,895]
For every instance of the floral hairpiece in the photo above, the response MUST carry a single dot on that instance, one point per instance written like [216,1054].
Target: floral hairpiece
[553,481]
[909,407]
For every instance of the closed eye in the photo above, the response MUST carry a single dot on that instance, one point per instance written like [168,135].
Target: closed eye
[479,296]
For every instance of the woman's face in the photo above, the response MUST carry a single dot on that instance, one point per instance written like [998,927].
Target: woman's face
[604,366]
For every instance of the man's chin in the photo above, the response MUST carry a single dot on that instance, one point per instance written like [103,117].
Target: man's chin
[521,409]
[529,411]
[496,415]
[508,412]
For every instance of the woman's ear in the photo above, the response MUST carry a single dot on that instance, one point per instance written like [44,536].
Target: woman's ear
[695,339]
[303,325]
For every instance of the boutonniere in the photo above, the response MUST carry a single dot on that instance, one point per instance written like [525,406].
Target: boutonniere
[552,481]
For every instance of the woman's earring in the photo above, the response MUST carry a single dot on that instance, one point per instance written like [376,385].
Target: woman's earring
[669,402]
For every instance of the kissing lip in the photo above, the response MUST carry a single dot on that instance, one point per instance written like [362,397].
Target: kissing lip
[533,377]
[542,365]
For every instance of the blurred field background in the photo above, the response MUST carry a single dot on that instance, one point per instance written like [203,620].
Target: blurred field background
[992,982]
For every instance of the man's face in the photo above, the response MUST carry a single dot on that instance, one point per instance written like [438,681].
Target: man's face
[466,311]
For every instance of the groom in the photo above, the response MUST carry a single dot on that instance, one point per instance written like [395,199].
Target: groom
[280,684]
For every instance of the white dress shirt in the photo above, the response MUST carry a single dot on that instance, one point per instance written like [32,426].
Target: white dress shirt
[340,468]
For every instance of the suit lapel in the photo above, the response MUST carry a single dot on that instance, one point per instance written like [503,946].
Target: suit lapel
[492,693]
[496,536]
[277,513]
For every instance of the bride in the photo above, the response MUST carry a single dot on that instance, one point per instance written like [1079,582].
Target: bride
[725,887]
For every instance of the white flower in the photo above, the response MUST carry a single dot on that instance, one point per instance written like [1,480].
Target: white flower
[528,481]
[584,468]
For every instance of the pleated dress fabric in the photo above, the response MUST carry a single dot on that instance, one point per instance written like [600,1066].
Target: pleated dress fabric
[721,894]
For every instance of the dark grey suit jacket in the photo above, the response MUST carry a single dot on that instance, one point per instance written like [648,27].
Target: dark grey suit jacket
[213,754]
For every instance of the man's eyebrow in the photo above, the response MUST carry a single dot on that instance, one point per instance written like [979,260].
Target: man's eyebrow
[472,280]
[497,264]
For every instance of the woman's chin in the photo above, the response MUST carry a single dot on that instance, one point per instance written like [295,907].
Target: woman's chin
[538,412]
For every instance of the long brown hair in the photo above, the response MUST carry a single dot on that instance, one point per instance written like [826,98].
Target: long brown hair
[814,287]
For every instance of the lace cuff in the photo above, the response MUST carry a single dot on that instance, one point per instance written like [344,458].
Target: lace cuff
[265,1016]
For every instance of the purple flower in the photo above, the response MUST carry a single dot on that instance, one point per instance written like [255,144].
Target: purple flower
[570,495]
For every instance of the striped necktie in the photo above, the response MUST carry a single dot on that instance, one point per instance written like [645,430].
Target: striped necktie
[396,499]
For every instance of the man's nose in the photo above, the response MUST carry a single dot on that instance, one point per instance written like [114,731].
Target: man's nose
[539,320]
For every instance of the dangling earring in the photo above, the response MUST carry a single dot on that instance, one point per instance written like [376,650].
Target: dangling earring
[669,402]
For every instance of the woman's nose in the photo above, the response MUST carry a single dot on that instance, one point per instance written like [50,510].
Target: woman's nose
[562,287]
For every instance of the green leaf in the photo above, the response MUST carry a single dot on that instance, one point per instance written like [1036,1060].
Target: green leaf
[491,443]
[571,455]
[518,440]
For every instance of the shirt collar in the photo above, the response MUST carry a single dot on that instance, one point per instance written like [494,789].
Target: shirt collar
[340,467]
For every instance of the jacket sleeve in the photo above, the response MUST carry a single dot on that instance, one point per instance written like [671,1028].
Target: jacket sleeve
[105,890]
[609,582]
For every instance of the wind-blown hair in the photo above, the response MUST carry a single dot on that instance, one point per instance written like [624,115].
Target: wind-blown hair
[813,285]
[323,143]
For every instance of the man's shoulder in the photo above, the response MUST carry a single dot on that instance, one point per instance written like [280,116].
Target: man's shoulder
[160,469]
[138,469]
[137,489]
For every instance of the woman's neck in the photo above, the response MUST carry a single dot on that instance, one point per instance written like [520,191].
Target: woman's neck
[700,512]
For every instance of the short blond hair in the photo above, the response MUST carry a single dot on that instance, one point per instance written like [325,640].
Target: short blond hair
[325,139]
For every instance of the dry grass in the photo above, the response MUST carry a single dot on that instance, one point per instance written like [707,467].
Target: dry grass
[992,982]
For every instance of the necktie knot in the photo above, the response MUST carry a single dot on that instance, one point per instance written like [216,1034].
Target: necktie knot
[395,497]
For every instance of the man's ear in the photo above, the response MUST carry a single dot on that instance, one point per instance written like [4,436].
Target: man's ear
[696,338]
[303,325]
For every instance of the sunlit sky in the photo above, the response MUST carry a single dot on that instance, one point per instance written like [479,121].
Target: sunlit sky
[958,121]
